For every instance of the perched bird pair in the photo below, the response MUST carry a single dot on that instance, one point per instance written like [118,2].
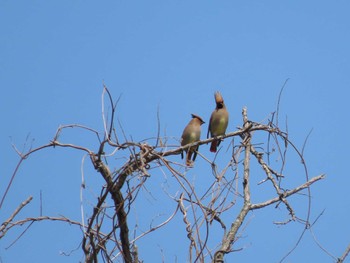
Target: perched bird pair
[217,126]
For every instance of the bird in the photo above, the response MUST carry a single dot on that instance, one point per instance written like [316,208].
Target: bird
[218,121]
[191,134]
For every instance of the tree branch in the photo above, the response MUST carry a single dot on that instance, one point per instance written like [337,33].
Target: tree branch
[288,193]
[4,228]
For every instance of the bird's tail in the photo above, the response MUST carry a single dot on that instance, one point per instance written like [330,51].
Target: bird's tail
[213,146]
[188,158]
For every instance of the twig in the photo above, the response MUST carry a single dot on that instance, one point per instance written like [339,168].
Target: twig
[345,254]
[3,228]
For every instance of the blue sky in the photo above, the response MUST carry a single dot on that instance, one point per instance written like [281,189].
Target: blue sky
[172,56]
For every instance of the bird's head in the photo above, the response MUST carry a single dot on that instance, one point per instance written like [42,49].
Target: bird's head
[194,116]
[219,100]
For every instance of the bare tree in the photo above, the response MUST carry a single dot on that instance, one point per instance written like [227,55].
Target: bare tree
[106,231]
